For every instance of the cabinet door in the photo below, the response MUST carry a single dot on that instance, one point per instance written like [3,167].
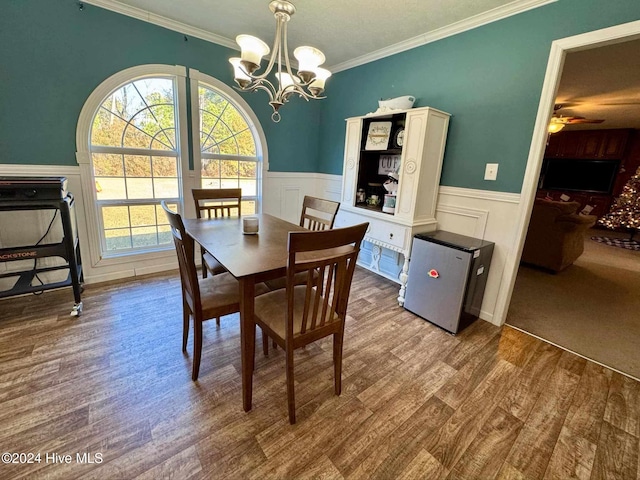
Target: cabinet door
[614,144]
[351,155]
[412,153]
[564,144]
[553,147]
[594,144]
[590,145]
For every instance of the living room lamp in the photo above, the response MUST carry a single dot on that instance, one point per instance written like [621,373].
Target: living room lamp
[310,79]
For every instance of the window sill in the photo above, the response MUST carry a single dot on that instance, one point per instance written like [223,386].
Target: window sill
[129,257]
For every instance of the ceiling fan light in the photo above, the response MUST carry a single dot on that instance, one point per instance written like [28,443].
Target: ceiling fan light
[555,126]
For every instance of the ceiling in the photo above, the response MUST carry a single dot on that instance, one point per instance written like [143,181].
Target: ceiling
[600,83]
[343,29]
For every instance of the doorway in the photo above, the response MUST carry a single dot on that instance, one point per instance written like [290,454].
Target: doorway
[596,263]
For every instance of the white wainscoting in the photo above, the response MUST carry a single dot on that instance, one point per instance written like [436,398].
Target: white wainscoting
[23,228]
[477,213]
[282,192]
[282,197]
[34,224]
[483,214]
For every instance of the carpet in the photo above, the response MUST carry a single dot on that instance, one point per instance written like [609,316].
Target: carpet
[618,242]
[591,308]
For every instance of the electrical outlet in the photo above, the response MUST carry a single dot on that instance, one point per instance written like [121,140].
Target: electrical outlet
[491,171]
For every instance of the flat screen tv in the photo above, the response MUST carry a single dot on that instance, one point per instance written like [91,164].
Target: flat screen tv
[595,176]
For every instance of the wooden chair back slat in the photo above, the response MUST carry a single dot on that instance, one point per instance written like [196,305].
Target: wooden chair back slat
[325,303]
[317,296]
[184,248]
[225,200]
[312,221]
[332,255]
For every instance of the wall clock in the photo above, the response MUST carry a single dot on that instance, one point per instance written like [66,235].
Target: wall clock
[398,139]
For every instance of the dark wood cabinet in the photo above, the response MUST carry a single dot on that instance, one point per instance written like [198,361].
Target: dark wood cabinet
[589,144]
[614,144]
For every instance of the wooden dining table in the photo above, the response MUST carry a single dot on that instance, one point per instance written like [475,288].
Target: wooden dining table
[250,259]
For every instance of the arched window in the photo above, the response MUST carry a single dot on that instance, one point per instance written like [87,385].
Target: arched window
[133,146]
[230,153]
[135,160]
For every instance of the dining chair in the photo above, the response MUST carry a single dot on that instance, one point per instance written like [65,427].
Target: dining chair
[301,314]
[215,203]
[202,298]
[317,214]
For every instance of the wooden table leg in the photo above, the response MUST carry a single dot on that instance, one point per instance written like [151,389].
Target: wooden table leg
[247,338]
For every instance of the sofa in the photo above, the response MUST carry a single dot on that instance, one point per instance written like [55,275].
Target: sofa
[555,238]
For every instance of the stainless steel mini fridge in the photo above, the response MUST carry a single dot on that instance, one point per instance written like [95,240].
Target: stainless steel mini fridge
[447,276]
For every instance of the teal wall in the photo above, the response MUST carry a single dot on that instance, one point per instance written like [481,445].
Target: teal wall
[489,79]
[53,55]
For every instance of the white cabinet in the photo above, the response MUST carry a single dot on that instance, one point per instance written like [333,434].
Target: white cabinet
[420,152]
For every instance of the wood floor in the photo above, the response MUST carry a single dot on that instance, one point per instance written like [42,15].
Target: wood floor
[416,402]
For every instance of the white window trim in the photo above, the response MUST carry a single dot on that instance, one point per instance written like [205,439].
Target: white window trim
[196,77]
[83,154]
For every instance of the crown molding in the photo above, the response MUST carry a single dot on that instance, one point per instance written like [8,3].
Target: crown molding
[485,18]
[165,22]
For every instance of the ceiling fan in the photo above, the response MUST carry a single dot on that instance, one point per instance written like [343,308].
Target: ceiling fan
[558,122]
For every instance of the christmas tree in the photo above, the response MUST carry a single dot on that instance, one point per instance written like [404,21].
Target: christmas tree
[625,212]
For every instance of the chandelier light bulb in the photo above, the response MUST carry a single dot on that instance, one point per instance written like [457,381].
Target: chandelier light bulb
[239,73]
[309,59]
[253,49]
[287,80]
[317,86]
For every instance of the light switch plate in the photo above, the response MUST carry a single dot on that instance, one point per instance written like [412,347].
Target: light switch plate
[491,171]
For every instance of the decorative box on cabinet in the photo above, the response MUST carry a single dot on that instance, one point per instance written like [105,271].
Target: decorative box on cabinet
[421,152]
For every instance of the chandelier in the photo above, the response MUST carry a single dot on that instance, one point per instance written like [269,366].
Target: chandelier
[310,79]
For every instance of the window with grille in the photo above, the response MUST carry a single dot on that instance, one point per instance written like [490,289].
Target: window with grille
[227,147]
[133,143]
[135,164]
